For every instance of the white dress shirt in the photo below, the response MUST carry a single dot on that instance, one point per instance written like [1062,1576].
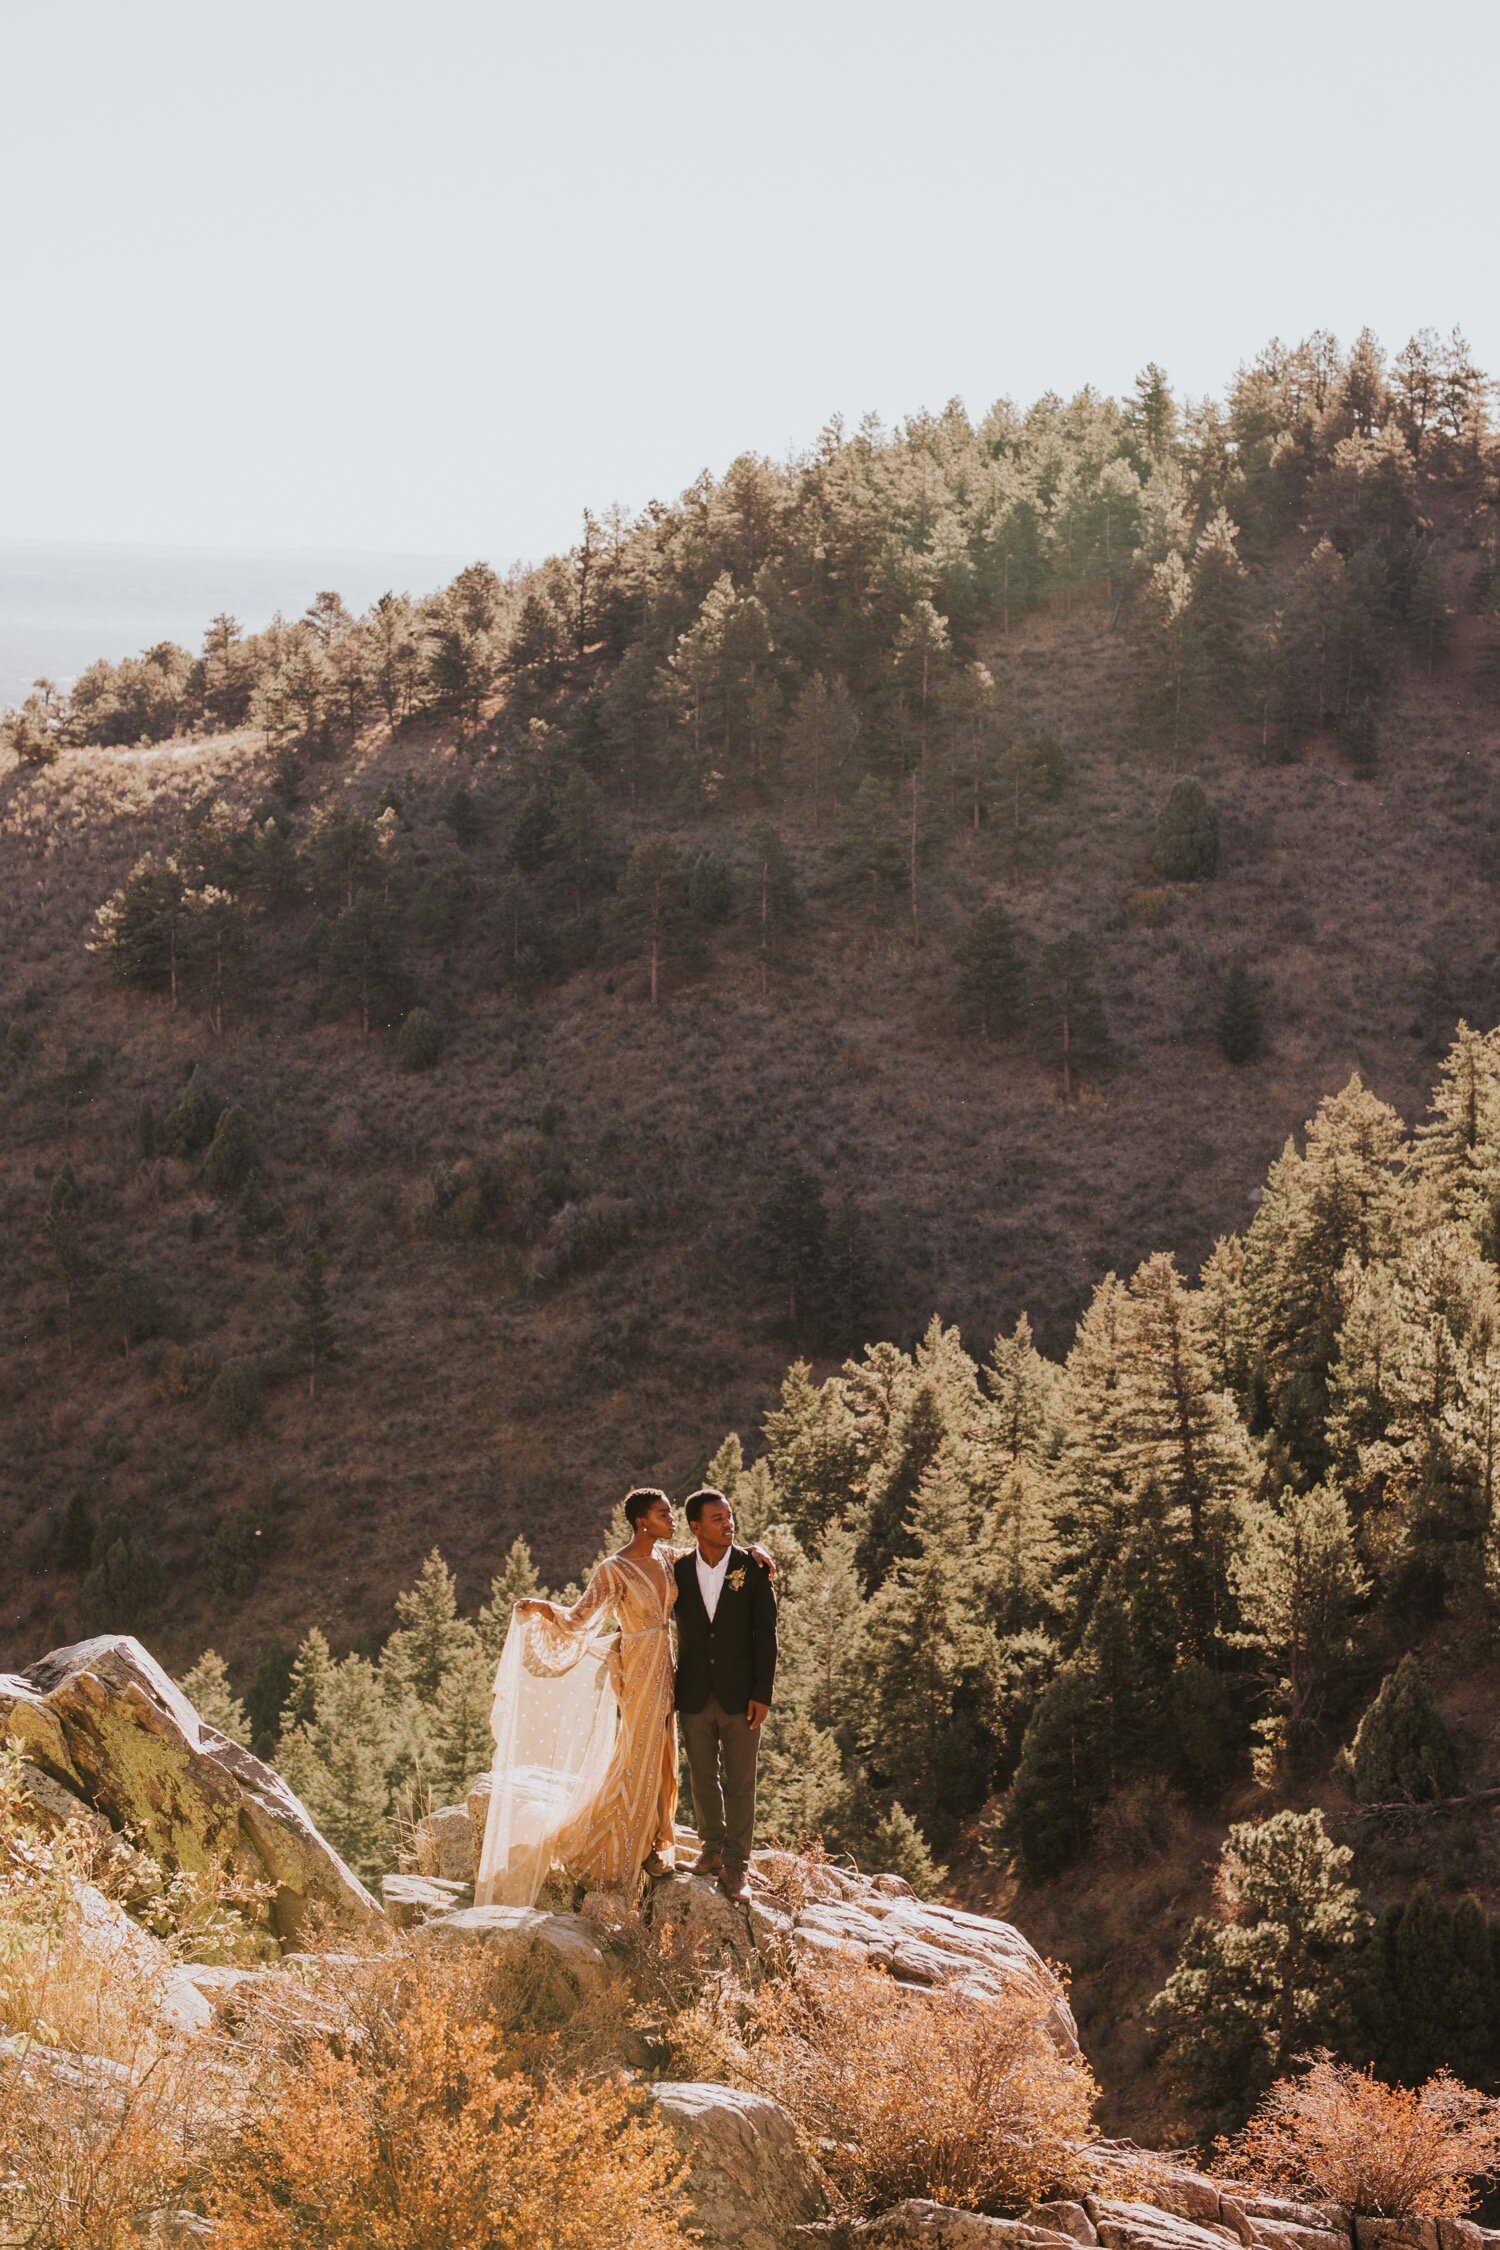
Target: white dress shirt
[711,1580]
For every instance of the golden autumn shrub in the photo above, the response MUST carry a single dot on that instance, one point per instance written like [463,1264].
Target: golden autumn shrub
[417,2133]
[1391,2152]
[939,2094]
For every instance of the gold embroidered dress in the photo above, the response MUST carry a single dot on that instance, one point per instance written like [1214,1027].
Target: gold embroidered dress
[585,1774]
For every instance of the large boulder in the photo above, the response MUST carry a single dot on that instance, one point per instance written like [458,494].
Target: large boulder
[165,1987]
[879,1919]
[410,1900]
[920,2225]
[749,2179]
[700,1924]
[568,1939]
[103,1718]
[1124,2225]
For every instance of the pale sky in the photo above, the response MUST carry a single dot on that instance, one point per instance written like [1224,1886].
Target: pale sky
[373,274]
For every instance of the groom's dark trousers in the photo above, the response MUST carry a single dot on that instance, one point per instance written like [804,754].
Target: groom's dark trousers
[724,1663]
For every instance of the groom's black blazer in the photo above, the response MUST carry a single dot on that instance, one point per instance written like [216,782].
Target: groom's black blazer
[732,1656]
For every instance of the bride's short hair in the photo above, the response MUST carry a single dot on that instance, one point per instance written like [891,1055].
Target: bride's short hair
[640,1500]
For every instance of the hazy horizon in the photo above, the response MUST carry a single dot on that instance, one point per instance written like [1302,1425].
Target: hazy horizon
[355,278]
[64,603]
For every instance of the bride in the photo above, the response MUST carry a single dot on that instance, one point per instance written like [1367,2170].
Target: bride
[585,1773]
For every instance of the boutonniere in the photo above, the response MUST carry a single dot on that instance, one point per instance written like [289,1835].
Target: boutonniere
[737,1580]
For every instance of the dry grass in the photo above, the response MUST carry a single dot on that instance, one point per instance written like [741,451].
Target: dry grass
[1393,2152]
[920,2094]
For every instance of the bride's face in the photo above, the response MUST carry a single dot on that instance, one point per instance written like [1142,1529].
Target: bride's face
[660,1519]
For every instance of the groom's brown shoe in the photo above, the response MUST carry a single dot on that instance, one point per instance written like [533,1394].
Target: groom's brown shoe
[709,1863]
[732,1883]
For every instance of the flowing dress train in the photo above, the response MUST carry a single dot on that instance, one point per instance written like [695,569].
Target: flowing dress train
[585,1773]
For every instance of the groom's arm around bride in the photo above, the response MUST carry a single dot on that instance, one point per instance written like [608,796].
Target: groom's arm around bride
[726,1669]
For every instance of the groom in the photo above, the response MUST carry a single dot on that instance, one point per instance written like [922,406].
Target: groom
[726,1663]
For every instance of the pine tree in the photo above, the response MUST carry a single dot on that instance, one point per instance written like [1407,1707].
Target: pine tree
[431,1637]
[1169,668]
[775,902]
[818,748]
[1218,609]
[73,1540]
[311,1673]
[1184,1451]
[313,1329]
[191,1125]
[462,1742]
[934,1737]
[419,1043]
[1429,607]
[655,899]
[1337,1199]
[849,1282]
[1062,1777]
[1021,1424]
[1434,1990]
[338,1765]
[207,1688]
[1298,1584]
[1237,1019]
[1066,1012]
[992,974]
[1187,834]
[1456,1150]
[140,928]
[813,1450]
[870,850]
[825,1666]
[1402,1750]
[362,965]
[1097,1501]
[791,1241]
[231,1154]
[1271,1979]
[914,1441]
[517,1582]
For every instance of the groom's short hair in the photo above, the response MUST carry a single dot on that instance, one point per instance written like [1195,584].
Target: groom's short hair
[640,1500]
[696,1502]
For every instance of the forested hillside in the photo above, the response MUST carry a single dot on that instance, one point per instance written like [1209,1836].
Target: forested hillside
[456,1058]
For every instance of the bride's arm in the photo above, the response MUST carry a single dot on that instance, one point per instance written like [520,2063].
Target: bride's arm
[596,1595]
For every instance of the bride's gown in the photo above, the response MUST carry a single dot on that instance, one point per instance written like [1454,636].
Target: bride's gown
[585,1774]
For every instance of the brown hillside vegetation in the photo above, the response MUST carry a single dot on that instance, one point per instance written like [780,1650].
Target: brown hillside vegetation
[540,1255]
[468,1403]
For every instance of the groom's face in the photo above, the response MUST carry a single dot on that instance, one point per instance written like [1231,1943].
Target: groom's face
[715,1526]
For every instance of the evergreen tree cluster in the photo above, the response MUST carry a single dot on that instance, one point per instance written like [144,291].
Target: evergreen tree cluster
[1291,1960]
[815,623]
[1177,1553]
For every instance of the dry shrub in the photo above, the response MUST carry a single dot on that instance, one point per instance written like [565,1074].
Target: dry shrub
[419,2133]
[1390,2152]
[105,2112]
[906,2093]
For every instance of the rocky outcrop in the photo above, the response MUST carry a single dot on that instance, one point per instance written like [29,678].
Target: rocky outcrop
[919,2225]
[880,1919]
[410,1900]
[568,1938]
[749,2179]
[103,1719]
